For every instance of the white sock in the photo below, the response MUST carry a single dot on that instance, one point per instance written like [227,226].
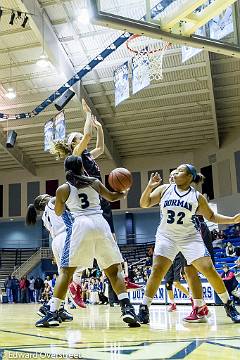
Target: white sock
[224,297]
[147,300]
[55,304]
[172,301]
[198,302]
[77,278]
[123,296]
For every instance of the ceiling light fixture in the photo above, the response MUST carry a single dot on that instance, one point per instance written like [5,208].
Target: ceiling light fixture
[10,94]
[25,20]
[12,18]
[83,17]
[43,61]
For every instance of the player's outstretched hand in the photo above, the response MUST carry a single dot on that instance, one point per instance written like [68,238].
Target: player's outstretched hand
[236,219]
[125,192]
[96,123]
[155,180]
[85,106]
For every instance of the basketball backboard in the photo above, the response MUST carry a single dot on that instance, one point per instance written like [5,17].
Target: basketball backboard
[175,21]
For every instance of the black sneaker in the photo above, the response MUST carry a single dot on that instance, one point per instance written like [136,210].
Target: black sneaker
[64,315]
[143,314]
[43,310]
[129,316]
[50,319]
[232,311]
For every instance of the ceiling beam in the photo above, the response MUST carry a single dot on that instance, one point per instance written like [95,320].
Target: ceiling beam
[158,85]
[60,59]
[186,124]
[18,155]
[190,67]
[212,98]
[156,98]
[19,48]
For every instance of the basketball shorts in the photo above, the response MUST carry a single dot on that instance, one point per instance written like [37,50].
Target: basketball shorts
[174,273]
[86,238]
[191,248]
[107,213]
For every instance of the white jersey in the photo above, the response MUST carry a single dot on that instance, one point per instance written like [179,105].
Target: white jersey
[83,201]
[178,209]
[53,223]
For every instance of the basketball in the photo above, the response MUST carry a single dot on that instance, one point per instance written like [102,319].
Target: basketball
[120,179]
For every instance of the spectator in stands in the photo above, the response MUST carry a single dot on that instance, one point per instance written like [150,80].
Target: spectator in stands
[8,289]
[101,292]
[54,280]
[85,290]
[15,289]
[48,280]
[221,235]
[230,281]
[94,289]
[237,230]
[230,249]
[150,251]
[47,292]
[23,289]
[38,286]
[31,290]
[148,261]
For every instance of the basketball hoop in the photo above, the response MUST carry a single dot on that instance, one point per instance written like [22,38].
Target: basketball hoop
[148,50]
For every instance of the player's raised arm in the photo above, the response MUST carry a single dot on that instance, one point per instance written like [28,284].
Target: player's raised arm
[149,197]
[87,132]
[99,149]
[106,194]
[205,210]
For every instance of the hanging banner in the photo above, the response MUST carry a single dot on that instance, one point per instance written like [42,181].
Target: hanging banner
[48,134]
[187,51]
[121,83]
[161,296]
[221,25]
[60,127]
[140,73]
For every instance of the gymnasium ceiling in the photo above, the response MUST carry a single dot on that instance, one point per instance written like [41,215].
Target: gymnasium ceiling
[197,102]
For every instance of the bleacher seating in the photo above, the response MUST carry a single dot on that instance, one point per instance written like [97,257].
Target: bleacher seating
[220,255]
[134,252]
[11,258]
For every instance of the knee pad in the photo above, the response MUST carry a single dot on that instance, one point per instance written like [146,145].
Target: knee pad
[169,285]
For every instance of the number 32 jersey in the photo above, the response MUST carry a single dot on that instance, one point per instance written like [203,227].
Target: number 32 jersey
[83,201]
[178,209]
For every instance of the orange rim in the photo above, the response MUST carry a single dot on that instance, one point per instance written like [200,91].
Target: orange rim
[134,36]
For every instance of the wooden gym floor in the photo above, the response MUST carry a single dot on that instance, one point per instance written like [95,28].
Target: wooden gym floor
[98,333]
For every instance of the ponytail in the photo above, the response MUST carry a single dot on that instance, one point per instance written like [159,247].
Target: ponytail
[60,149]
[199,178]
[79,181]
[31,216]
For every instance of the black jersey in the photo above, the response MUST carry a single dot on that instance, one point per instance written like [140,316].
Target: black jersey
[90,165]
[92,169]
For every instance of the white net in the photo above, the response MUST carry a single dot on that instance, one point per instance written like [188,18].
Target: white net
[151,51]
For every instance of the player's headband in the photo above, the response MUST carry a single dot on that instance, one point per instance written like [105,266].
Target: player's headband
[72,136]
[192,170]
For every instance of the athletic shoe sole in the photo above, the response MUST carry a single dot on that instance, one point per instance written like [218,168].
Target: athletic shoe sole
[131,320]
[202,320]
[50,324]
[135,289]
